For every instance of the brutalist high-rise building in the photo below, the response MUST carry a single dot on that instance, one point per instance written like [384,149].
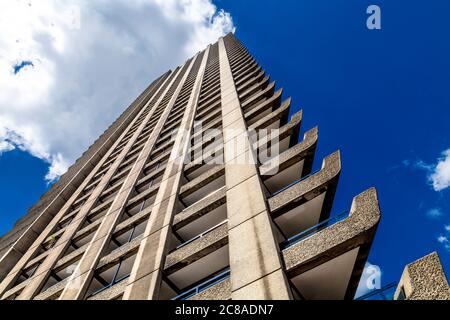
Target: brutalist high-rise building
[183,197]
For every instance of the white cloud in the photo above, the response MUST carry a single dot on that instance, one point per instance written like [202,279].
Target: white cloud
[90,59]
[5,144]
[417,164]
[444,241]
[438,174]
[440,177]
[447,228]
[434,213]
[57,167]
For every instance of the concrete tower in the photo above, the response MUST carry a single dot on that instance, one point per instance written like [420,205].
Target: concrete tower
[186,197]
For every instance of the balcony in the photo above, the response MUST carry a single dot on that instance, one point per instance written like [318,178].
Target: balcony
[212,282]
[203,185]
[111,292]
[326,261]
[201,215]
[286,137]
[306,201]
[275,119]
[124,243]
[289,166]
[286,244]
[114,269]
[191,263]
[264,108]
[109,276]
[142,201]
[205,141]
[258,99]
[211,156]
[254,89]
[249,80]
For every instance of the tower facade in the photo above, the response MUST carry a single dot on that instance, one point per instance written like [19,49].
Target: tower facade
[202,189]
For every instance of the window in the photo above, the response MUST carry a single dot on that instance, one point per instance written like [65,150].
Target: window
[121,239]
[402,294]
[105,279]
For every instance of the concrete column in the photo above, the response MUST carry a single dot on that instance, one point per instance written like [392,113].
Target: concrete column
[146,276]
[256,269]
[80,280]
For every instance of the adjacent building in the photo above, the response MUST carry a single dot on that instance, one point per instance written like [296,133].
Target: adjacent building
[202,189]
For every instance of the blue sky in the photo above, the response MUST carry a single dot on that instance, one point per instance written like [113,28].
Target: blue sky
[380,96]
[21,184]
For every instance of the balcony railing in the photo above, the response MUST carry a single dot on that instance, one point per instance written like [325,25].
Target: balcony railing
[201,235]
[312,230]
[204,285]
[385,293]
[113,283]
[294,183]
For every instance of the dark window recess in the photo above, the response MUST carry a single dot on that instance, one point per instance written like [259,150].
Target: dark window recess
[402,294]
[104,280]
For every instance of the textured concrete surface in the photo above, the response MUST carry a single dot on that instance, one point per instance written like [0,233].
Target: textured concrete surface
[93,254]
[200,208]
[52,292]
[146,276]
[242,96]
[362,220]
[202,180]
[253,252]
[424,279]
[310,187]
[197,249]
[357,230]
[290,129]
[220,291]
[270,287]
[111,293]
[269,104]
[302,151]
[37,280]
[280,114]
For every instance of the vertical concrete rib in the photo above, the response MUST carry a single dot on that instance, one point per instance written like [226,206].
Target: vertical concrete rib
[26,239]
[42,273]
[146,276]
[120,230]
[256,269]
[78,283]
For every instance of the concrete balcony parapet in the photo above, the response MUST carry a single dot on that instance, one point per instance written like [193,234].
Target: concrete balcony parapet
[310,187]
[424,279]
[200,208]
[354,232]
[303,151]
[202,180]
[197,249]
